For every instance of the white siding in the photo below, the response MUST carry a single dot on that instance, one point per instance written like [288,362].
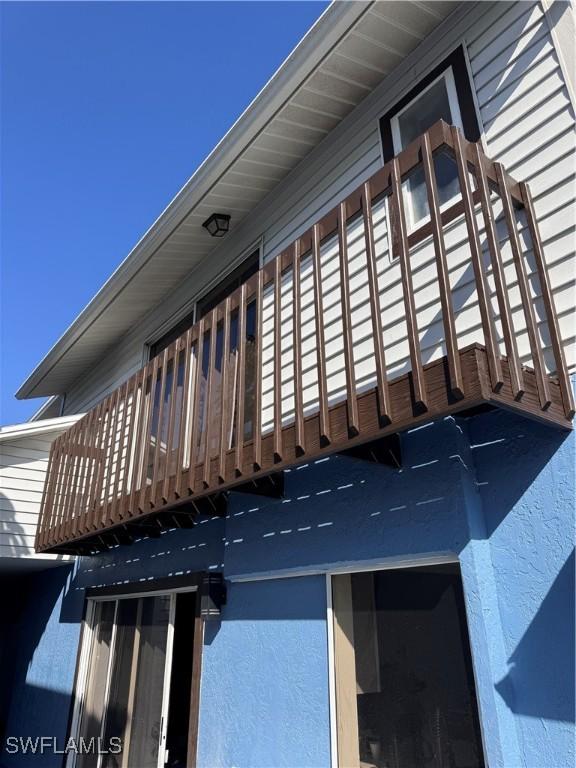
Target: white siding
[528,125]
[23,465]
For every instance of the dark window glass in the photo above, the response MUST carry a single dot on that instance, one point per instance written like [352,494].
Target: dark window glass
[233,280]
[405,673]
[433,111]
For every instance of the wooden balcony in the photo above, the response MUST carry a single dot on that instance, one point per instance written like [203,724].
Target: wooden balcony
[365,326]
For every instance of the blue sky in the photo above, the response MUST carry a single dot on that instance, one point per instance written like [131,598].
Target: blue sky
[107,109]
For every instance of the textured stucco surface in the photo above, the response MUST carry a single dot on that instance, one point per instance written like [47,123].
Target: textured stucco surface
[495,491]
[265,676]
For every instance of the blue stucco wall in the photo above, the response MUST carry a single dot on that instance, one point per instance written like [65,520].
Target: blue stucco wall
[526,482]
[265,674]
[43,647]
[495,491]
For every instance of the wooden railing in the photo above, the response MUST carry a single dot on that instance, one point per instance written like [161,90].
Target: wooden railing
[364,326]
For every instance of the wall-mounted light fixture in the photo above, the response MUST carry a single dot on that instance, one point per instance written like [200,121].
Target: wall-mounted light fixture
[218,224]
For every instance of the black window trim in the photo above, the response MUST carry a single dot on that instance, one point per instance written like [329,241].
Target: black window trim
[456,60]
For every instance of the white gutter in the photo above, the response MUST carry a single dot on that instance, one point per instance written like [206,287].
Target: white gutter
[297,67]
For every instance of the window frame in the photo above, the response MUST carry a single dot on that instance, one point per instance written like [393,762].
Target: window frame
[171,586]
[454,70]
[465,97]
[448,77]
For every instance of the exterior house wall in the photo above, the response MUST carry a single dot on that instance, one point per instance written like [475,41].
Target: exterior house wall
[38,645]
[495,492]
[24,451]
[527,121]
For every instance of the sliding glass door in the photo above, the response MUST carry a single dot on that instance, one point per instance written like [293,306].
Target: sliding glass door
[123,702]
[405,693]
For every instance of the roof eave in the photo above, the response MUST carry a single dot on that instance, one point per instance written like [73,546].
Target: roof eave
[34,428]
[331,25]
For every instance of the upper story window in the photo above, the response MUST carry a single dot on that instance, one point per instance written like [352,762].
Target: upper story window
[444,94]
[233,280]
[212,298]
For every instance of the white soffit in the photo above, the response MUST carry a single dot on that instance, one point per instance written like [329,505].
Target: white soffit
[344,55]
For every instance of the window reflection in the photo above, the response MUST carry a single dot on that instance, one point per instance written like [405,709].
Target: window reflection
[405,686]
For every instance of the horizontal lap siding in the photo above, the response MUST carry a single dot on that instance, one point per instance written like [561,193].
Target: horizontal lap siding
[528,123]
[529,127]
[23,465]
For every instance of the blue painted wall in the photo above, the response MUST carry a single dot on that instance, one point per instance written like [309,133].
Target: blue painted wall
[42,656]
[496,491]
[264,673]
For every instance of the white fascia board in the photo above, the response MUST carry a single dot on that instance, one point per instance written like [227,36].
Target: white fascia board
[33,428]
[300,63]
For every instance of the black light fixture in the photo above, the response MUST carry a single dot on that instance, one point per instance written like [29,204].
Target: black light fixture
[218,224]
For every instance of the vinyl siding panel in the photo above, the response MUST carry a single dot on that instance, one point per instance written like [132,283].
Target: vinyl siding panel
[528,124]
[23,465]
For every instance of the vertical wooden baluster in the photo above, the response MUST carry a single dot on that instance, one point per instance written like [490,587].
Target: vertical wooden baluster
[109,452]
[59,479]
[400,241]
[277,359]
[171,418]
[85,473]
[66,486]
[527,303]
[548,301]
[56,507]
[224,404]
[154,500]
[98,439]
[384,405]
[454,367]
[494,364]
[514,366]
[73,511]
[351,401]
[137,450]
[210,396]
[147,434]
[110,482]
[297,341]
[117,511]
[109,449]
[63,463]
[73,483]
[194,442]
[40,542]
[324,416]
[51,479]
[42,515]
[70,484]
[84,426]
[257,437]
[131,428]
[241,389]
[187,373]
[53,493]
[88,469]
